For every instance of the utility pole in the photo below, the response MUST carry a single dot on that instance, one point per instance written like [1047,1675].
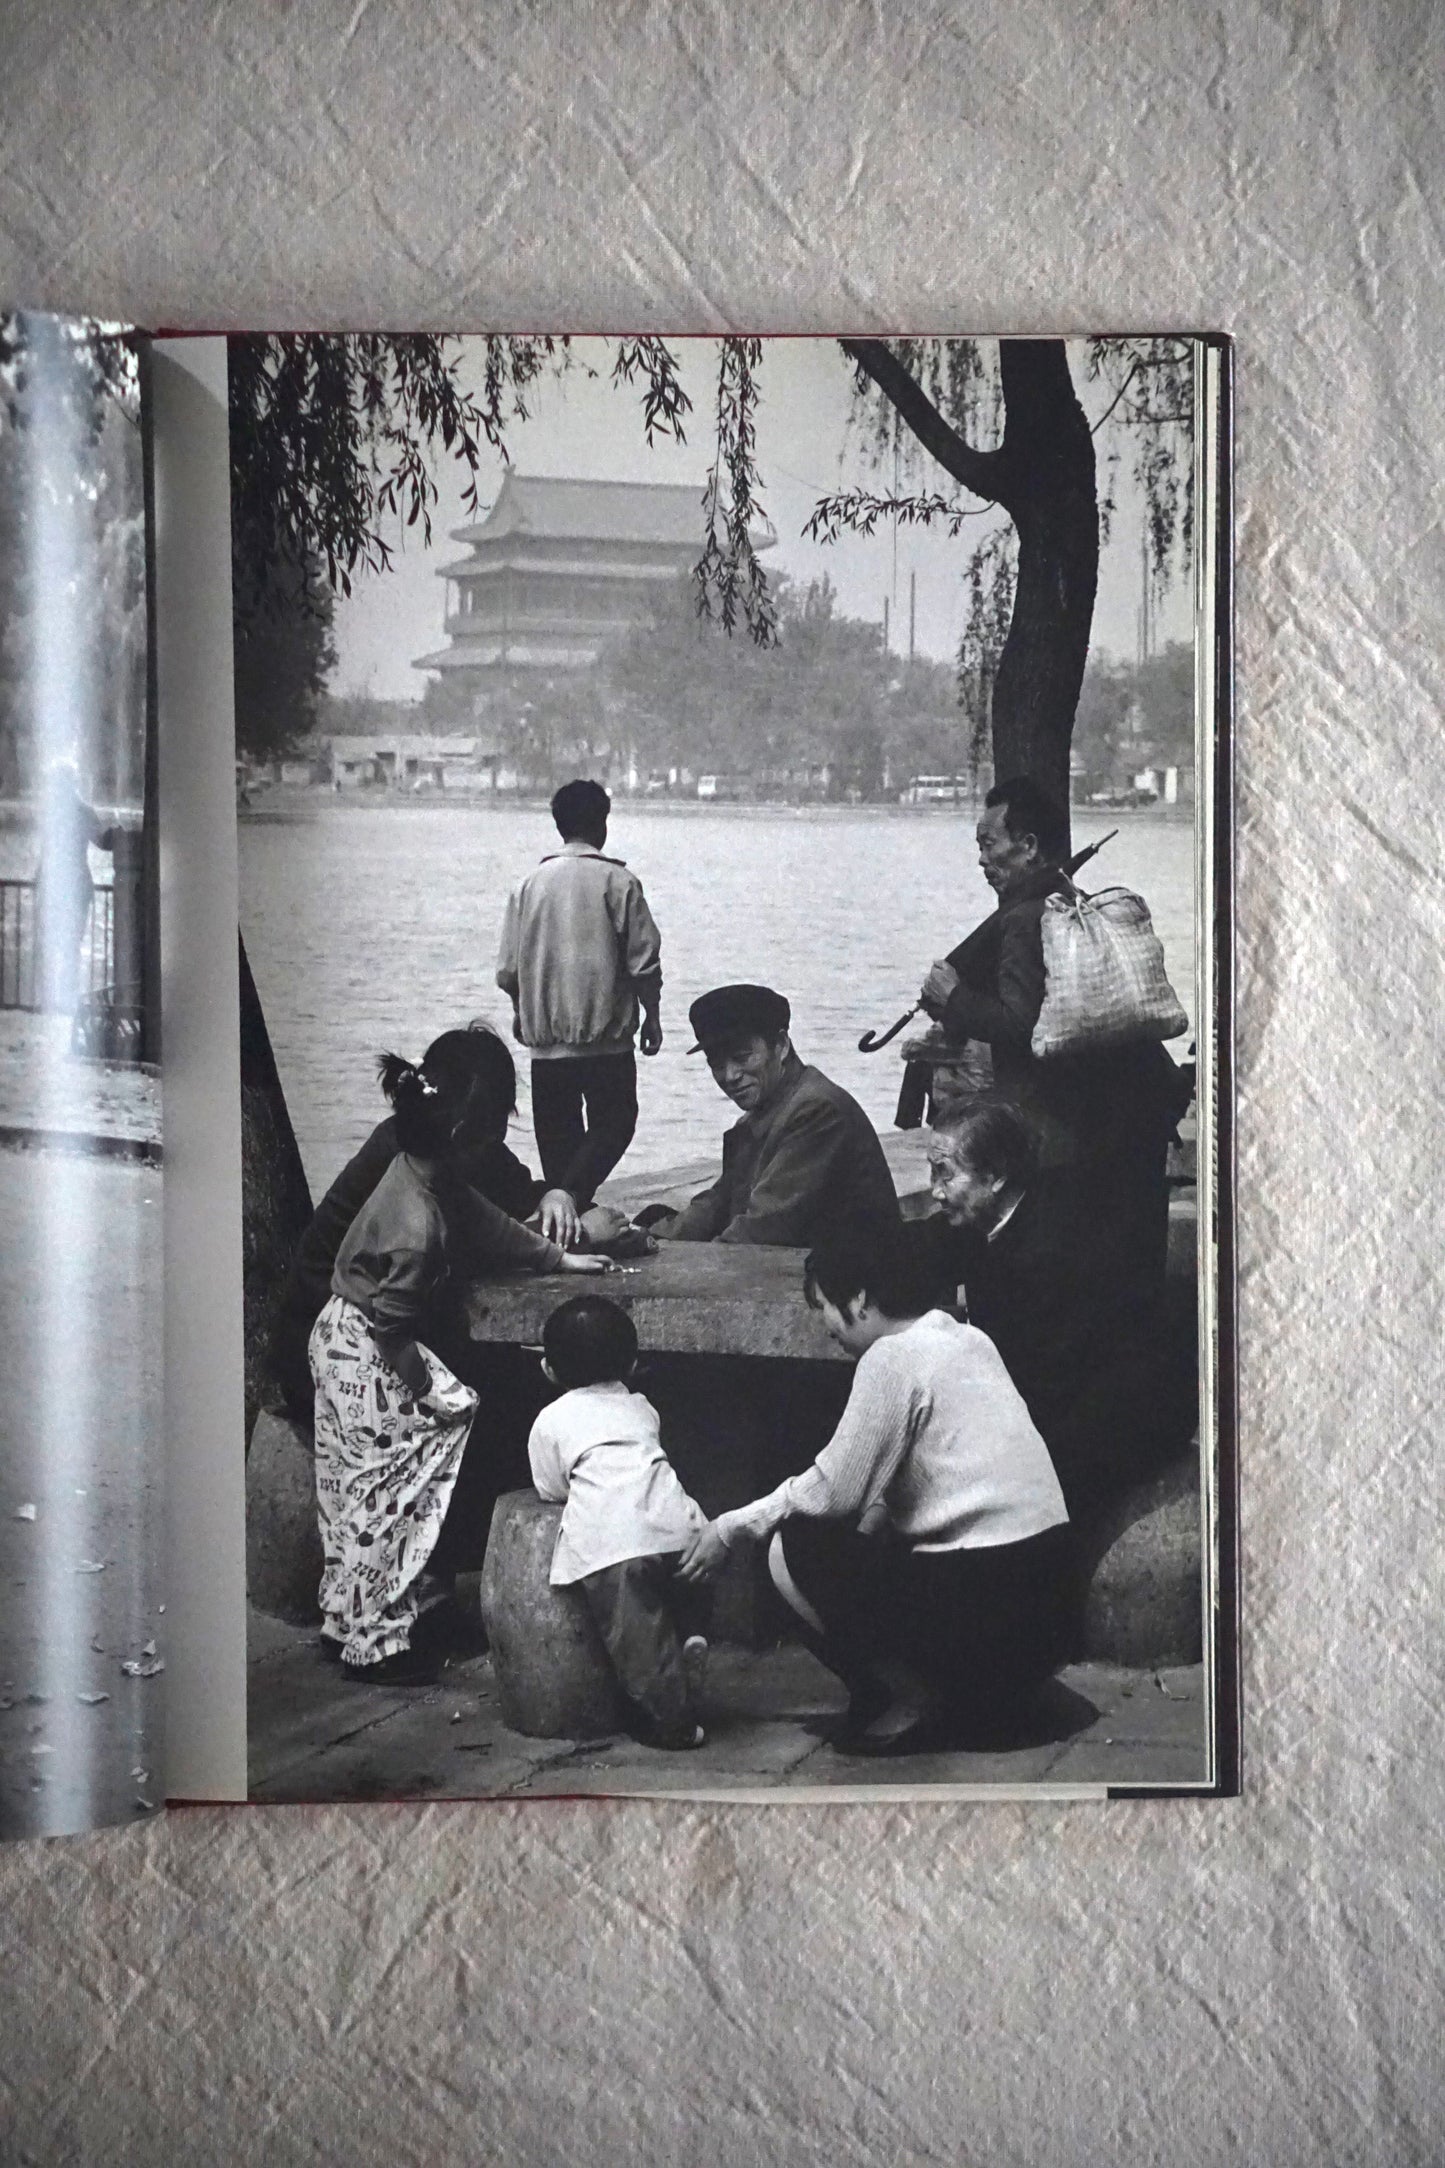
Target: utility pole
[912,612]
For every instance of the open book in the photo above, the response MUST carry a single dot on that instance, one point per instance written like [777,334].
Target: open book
[765,1330]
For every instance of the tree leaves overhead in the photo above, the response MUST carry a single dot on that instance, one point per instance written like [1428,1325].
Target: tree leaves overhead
[652,363]
[1149,416]
[1143,411]
[729,580]
[333,434]
[859,511]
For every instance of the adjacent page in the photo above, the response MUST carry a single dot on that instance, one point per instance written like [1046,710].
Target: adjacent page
[82,1626]
[763,1328]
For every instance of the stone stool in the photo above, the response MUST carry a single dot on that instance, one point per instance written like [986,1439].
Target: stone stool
[283,1541]
[553,1677]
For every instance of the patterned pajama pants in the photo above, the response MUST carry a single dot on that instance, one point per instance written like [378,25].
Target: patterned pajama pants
[385,1472]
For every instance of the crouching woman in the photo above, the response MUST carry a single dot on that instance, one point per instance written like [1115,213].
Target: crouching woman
[391,1419]
[926,1550]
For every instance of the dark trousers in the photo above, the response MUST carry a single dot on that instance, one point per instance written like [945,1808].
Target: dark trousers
[983,1627]
[643,1613]
[578,1154]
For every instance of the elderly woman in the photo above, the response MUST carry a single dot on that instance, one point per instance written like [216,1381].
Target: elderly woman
[926,1550]
[1110,1395]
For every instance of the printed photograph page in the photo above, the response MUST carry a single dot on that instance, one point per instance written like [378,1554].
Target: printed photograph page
[82,1613]
[724,977]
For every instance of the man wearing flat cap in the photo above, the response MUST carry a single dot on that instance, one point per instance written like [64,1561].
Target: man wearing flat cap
[804,1163]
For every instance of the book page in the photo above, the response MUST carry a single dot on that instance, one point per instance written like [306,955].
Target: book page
[84,1632]
[676,758]
[205,1756]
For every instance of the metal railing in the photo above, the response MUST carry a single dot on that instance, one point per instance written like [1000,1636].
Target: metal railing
[25,983]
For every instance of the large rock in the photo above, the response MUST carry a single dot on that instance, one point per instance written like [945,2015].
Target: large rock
[554,1680]
[283,1543]
[1144,1601]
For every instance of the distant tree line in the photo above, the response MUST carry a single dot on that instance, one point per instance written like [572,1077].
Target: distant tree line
[824,710]
[824,706]
[1135,715]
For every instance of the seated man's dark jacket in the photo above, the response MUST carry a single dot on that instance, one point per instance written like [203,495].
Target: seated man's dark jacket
[1086,1107]
[805,1169]
[1084,1357]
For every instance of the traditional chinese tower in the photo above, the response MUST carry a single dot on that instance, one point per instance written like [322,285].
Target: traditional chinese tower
[554,571]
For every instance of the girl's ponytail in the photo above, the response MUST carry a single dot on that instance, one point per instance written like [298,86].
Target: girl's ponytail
[417,1104]
[397,1076]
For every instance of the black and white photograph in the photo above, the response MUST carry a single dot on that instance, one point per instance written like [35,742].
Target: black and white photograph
[733,852]
[81,1613]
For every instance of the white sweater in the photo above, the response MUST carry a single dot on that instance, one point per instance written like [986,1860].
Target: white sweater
[599,1448]
[936,1438]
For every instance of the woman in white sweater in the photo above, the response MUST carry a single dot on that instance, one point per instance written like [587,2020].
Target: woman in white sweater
[927,1549]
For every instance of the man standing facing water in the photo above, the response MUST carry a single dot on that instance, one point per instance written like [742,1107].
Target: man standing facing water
[580,957]
[804,1164]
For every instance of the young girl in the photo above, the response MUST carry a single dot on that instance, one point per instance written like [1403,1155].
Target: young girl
[391,1419]
[927,1548]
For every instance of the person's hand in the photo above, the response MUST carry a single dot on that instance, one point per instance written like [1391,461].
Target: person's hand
[516,1023]
[579,1261]
[649,1039]
[938,987]
[656,1218]
[559,1219]
[704,1557]
[412,1368]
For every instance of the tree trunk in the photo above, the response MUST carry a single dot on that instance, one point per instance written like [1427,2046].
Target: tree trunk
[1046,483]
[1043,476]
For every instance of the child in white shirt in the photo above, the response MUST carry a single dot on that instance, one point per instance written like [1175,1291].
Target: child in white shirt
[626,1520]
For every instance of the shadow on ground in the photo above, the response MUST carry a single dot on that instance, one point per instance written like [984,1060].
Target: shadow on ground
[316,1734]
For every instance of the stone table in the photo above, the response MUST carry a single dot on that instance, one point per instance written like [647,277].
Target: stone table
[747,1383]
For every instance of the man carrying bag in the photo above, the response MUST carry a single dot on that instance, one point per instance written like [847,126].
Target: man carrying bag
[1104,1106]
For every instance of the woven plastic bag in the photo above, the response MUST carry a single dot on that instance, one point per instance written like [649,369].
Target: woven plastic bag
[1104,978]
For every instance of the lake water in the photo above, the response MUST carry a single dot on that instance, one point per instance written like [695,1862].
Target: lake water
[376,926]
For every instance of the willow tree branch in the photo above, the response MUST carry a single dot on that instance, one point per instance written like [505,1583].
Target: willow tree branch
[985,473]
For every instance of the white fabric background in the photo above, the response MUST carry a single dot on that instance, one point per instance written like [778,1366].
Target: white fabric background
[1235,1982]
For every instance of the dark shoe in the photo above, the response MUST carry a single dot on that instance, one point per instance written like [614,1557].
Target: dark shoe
[409,1667]
[678,1742]
[901,1730]
[446,1630]
[867,1702]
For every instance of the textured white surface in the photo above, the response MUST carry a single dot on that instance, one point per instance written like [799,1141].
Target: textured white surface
[1237,1982]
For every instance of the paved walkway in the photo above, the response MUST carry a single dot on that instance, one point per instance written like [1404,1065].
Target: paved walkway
[43,1086]
[80,1489]
[316,1735]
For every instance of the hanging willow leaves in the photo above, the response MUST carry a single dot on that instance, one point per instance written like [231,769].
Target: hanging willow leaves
[729,581]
